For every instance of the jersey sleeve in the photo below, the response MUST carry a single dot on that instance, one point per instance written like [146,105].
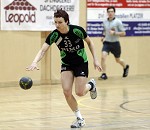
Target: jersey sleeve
[51,38]
[120,26]
[80,32]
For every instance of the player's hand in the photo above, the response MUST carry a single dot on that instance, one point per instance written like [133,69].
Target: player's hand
[111,32]
[102,39]
[97,65]
[32,67]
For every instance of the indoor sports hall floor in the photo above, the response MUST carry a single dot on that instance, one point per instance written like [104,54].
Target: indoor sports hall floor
[122,104]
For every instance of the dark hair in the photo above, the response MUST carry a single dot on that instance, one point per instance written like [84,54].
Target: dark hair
[111,7]
[63,14]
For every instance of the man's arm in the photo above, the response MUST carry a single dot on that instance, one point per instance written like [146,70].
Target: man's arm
[92,50]
[38,57]
[121,34]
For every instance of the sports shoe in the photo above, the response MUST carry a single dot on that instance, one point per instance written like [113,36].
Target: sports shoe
[78,123]
[103,76]
[93,92]
[125,71]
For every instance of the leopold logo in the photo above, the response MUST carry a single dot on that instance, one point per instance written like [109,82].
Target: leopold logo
[20,11]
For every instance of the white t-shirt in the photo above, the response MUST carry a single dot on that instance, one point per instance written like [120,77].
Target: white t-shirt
[114,24]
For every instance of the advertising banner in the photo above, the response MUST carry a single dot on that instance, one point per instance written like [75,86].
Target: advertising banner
[133,13]
[35,15]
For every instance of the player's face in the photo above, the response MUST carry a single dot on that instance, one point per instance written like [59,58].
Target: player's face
[60,24]
[111,13]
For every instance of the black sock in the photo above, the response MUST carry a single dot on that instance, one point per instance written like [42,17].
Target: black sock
[91,85]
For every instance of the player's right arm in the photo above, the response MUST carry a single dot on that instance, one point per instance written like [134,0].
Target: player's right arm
[38,57]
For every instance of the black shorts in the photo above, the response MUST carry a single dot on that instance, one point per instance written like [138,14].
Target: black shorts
[78,70]
[113,47]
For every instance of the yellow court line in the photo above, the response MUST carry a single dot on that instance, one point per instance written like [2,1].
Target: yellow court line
[87,106]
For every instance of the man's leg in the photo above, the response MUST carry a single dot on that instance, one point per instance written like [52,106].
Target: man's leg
[67,79]
[121,62]
[82,87]
[124,65]
[103,64]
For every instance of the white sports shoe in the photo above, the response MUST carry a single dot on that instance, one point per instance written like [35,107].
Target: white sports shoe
[93,92]
[78,123]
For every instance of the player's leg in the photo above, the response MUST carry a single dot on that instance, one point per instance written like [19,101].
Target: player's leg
[82,87]
[67,79]
[124,65]
[80,90]
[104,55]
[103,60]
[117,52]
[121,62]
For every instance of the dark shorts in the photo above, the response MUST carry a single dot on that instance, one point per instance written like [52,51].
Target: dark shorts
[113,47]
[78,70]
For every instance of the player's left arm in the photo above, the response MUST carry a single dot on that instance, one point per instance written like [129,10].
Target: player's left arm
[121,30]
[92,50]
[121,33]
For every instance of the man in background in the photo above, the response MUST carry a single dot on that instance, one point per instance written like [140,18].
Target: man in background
[113,29]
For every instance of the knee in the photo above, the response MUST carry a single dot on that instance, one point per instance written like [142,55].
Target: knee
[67,93]
[80,94]
[118,60]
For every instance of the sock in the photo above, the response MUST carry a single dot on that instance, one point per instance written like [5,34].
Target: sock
[90,83]
[78,114]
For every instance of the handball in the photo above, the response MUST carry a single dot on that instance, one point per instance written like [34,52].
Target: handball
[25,83]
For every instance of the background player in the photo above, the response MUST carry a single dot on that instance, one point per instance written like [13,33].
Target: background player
[113,29]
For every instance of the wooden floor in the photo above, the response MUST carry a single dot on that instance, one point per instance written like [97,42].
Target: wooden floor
[122,104]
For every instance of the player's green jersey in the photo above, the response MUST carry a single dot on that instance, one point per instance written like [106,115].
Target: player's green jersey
[71,45]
